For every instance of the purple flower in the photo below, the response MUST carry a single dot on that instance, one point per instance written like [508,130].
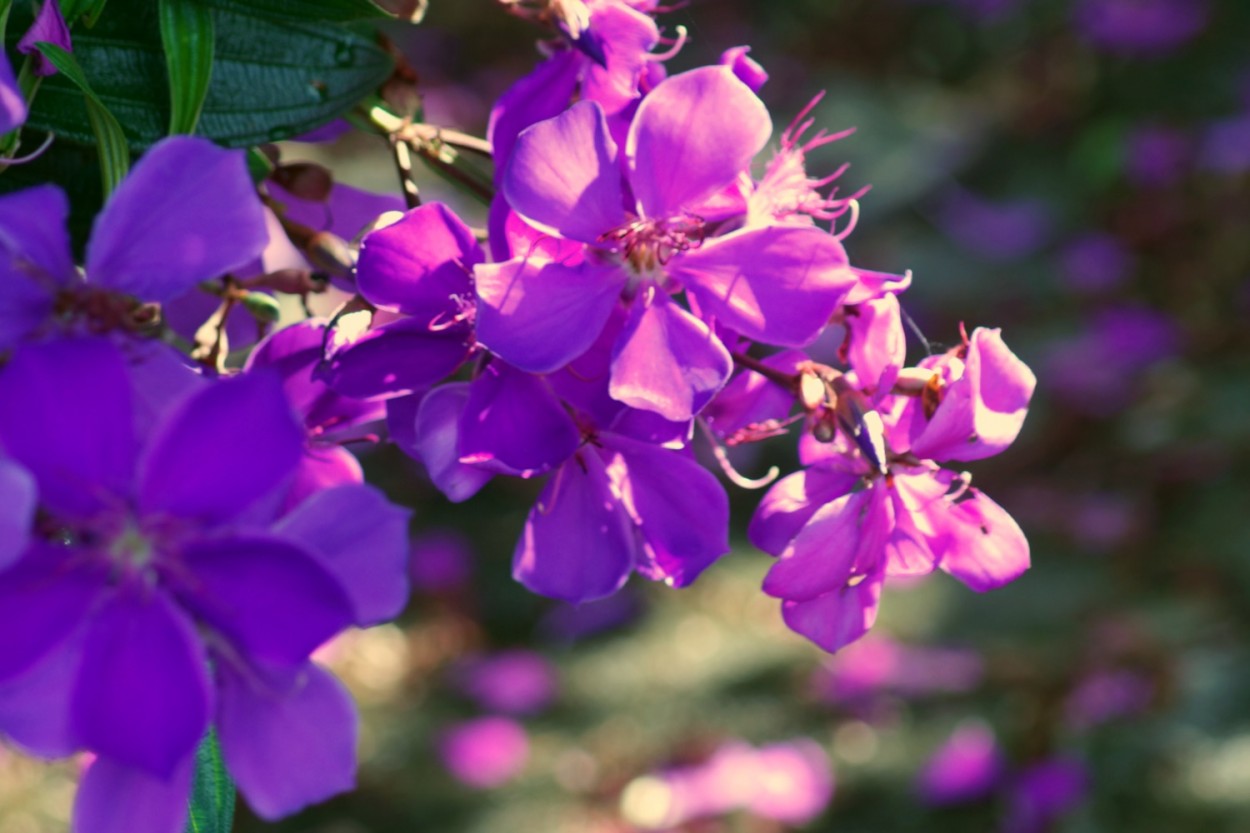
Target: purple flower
[417,273]
[169,597]
[966,767]
[692,137]
[1157,156]
[1107,694]
[747,70]
[878,665]
[17,511]
[512,682]
[151,242]
[440,561]
[1140,28]
[999,231]
[1043,793]
[49,27]
[1225,146]
[486,752]
[1094,263]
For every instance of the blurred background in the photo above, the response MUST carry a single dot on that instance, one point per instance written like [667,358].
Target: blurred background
[1074,171]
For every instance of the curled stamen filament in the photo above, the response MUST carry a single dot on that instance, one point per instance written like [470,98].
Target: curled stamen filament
[853,205]
[678,42]
[735,477]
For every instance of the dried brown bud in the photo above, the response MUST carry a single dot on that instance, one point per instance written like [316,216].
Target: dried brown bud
[306,180]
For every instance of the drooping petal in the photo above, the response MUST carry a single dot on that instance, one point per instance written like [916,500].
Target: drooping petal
[438,442]
[221,450]
[142,696]
[13,108]
[692,135]
[48,27]
[981,412]
[303,604]
[187,212]
[845,536]
[838,618]
[43,601]
[396,359]
[513,423]
[564,178]
[680,508]
[420,266]
[17,509]
[667,361]
[791,503]
[71,422]
[362,539]
[578,542]
[984,547]
[290,747]
[777,284]
[115,798]
[540,315]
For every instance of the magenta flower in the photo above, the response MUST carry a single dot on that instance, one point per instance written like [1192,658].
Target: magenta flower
[968,766]
[486,752]
[163,596]
[514,682]
[149,243]
[692,137]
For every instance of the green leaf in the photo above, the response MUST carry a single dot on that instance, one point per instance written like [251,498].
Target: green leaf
[212,793]
[280,68]
[187,36]
[110,141]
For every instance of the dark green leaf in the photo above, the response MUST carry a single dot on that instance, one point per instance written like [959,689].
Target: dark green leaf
[110,141]
[212,794]
[187,37]
[278,70]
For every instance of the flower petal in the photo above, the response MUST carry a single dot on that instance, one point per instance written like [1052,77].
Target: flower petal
[438,441]
[34,258]
[984,547]
[791,503]
[667,361]
[18,498]
[288,748]
[362,539]
[777,284]
[692,135]
[274,600]
[35,707]
[396,359]
[221,450]
[578,542]
[43,601]
[563,176]
[845,536]
[679,506]
[540,315]
[981,412]
[543,94]
[187,212]
[421,265]
[115,798]
[512,423]
[838,618]
[13,109]
[142,696]
[74,427]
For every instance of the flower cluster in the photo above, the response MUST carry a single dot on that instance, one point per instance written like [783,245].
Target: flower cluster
[181,528]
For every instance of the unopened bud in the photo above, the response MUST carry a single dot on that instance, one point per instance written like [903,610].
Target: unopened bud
[262,307]
[330,254]
[825,426]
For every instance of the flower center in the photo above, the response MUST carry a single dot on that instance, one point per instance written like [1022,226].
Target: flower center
[647,245]
[132,549]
